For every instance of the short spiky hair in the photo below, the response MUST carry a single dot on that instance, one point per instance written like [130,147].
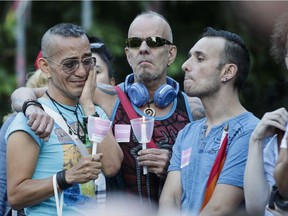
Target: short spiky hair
[234,52]
[63,30]
[279,39]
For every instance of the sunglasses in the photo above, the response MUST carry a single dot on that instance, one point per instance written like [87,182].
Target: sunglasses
[96,45]
[135,42]
[71,65]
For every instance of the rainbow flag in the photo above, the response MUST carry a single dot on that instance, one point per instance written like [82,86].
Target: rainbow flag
[217,167]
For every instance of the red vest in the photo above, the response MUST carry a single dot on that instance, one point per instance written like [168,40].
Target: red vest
[149,187]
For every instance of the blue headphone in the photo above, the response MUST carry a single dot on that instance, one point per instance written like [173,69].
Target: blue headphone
[139,95]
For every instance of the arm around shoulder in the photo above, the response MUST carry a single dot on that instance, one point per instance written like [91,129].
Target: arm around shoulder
[39,121]
[20,95]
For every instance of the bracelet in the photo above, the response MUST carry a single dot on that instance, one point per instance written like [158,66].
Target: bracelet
[85,120]
[61,181]
[30,102]
[96,114]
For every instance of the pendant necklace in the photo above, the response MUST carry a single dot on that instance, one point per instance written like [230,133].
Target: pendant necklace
[149,110]
[81,133]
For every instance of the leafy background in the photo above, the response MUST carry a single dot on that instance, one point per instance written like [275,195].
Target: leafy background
[264,91]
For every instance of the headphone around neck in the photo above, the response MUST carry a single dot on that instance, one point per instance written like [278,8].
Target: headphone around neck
[139,95]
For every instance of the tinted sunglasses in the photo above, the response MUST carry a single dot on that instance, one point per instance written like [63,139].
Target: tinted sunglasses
[96,45]
[71,65]
[135,42]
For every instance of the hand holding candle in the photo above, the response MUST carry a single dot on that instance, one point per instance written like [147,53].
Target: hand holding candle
[97,130]
[143,130]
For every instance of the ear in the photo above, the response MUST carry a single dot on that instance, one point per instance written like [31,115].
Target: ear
[128,55]
[112,81]
[172,54]
[229,72]
[43,65]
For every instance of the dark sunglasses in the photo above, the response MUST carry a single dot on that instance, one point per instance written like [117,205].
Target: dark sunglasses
[135,42]
[96,45]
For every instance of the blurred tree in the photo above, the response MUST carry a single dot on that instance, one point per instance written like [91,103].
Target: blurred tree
[264,91]
[7,44]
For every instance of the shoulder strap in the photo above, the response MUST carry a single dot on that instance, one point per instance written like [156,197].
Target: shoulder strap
[130,111]
[59,120]
[126,103]
[217,168]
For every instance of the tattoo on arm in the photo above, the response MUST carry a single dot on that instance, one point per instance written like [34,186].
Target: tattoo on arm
[198,113]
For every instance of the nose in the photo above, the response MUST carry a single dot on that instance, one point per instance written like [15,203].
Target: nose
[185,66]
[81,71]
[144,48]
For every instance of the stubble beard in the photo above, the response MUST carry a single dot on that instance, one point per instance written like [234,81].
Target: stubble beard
[146,75]
[207,92]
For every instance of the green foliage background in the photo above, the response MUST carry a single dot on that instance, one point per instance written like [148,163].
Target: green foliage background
[265,89]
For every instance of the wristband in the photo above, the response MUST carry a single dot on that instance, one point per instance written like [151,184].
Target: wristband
[30,102]
[85,120]
[96,114]
[61,181]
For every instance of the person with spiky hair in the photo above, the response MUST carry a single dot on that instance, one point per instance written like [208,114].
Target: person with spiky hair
[205,175]
[57,174]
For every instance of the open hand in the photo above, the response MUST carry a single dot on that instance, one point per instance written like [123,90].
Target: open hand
[269,123]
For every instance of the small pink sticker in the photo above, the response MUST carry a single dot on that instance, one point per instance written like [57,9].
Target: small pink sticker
[122,132]
[185,157]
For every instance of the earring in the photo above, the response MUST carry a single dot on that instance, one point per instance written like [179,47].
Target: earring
[224,80]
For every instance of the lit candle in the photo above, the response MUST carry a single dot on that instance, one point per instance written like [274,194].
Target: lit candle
[143,131]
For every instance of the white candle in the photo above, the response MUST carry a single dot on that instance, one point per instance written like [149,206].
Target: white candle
[94,149]
[143,131]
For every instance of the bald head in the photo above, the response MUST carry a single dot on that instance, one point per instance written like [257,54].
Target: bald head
[159,22]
